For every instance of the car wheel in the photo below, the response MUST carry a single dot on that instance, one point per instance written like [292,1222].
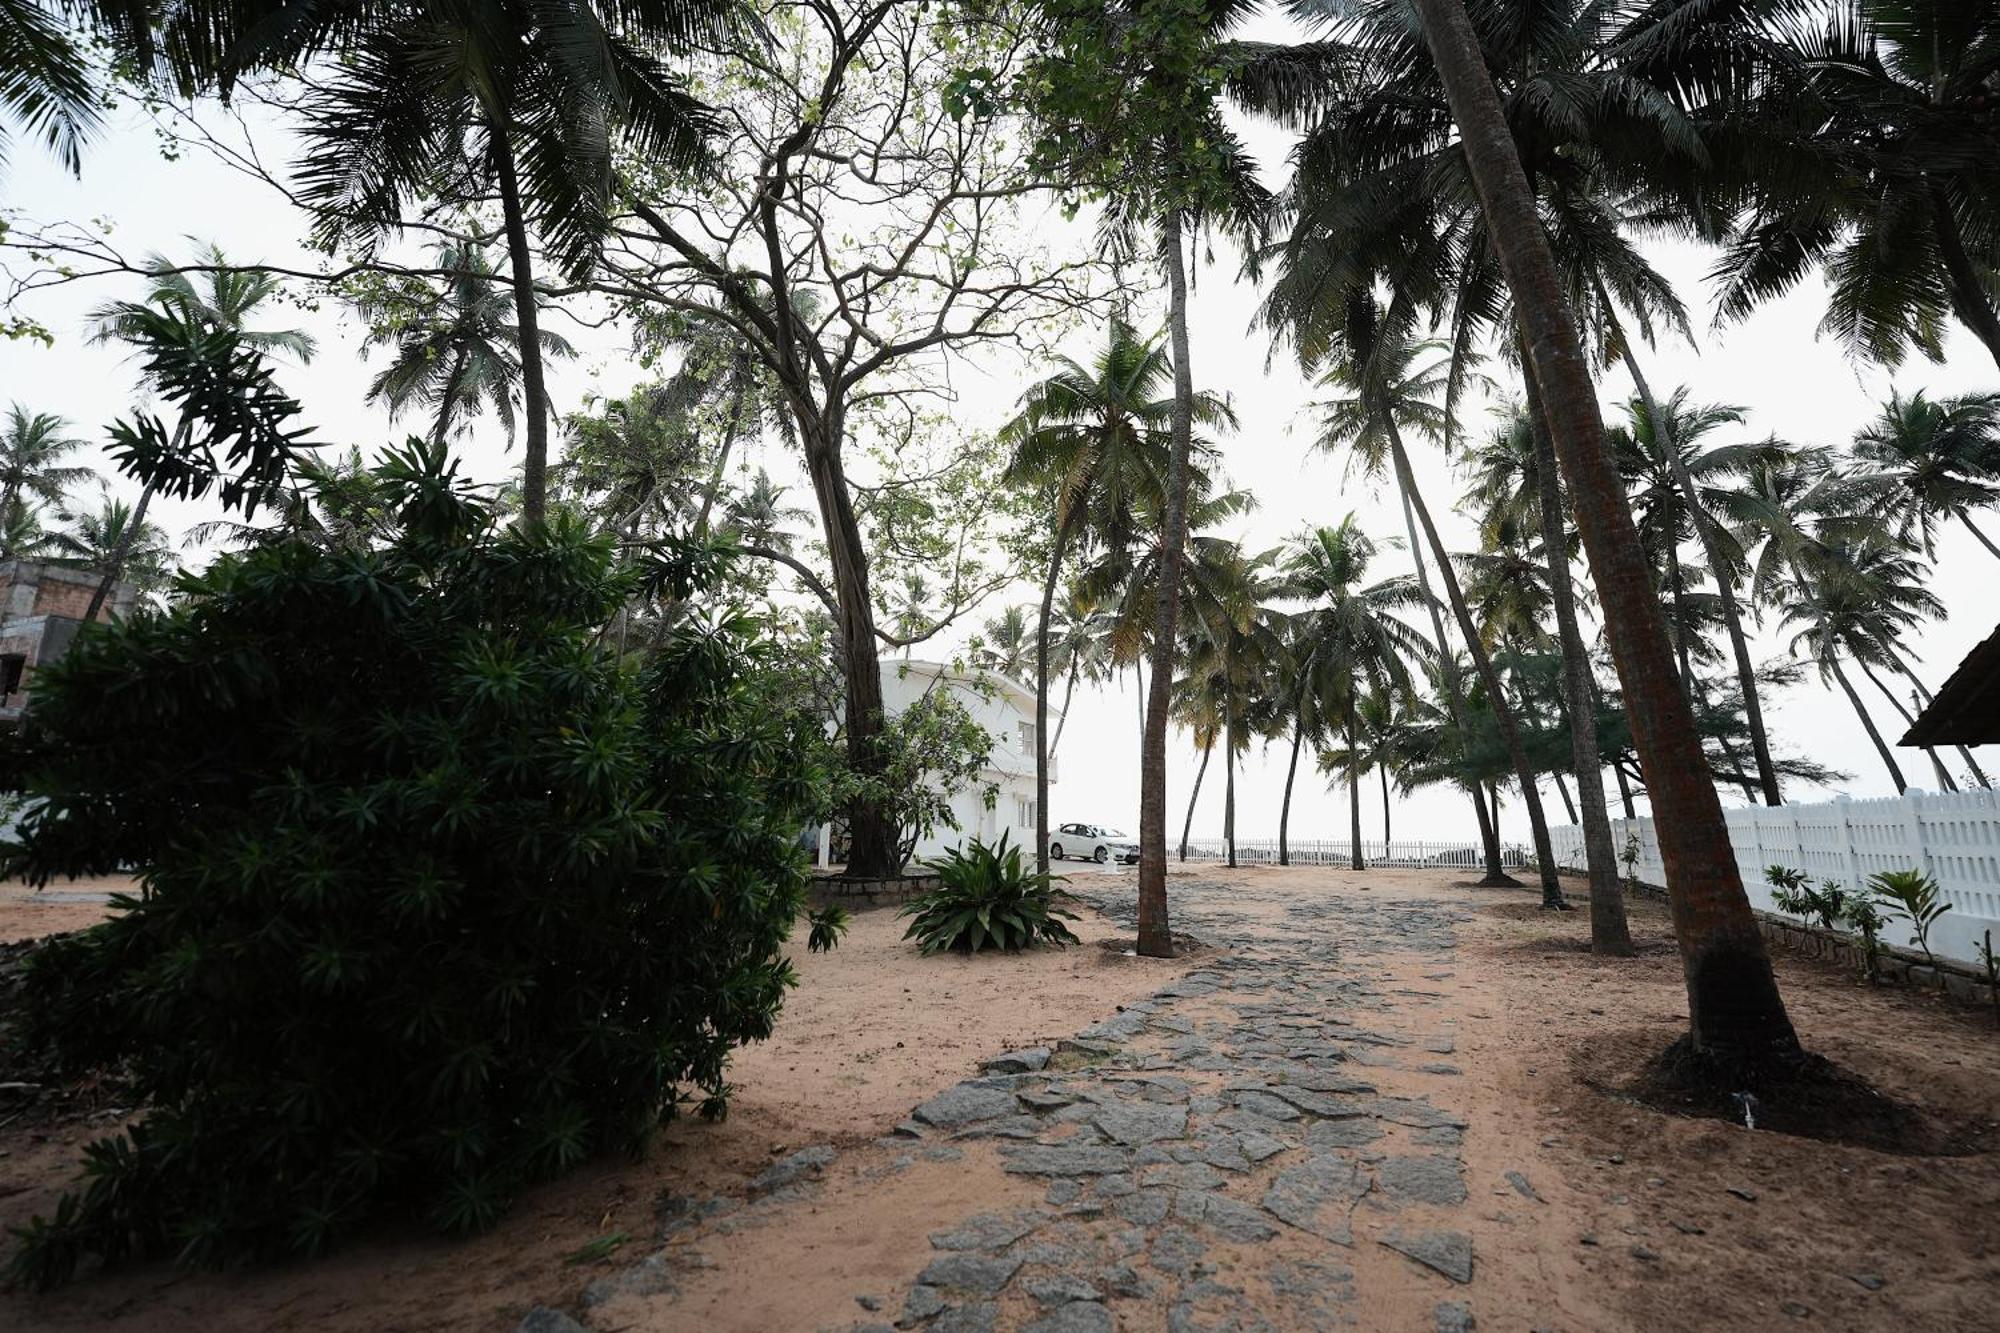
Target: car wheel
[1055,851]
[1103,855]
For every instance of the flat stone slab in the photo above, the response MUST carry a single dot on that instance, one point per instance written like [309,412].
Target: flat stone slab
[1019,1062]
[1059,1160]
[793,1167]
[1134,1124]
[984,1274]
[965,1103]
[1228,1217]
[1318,1196]
[1427,1179]
[1075,1317]
[542,1319]
[1446,1252]
[1415,1114]
[988,1231]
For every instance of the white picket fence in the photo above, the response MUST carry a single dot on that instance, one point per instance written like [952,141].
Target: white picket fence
[1954,837]
[1318,852]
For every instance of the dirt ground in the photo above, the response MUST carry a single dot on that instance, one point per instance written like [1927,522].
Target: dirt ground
[1632,1219]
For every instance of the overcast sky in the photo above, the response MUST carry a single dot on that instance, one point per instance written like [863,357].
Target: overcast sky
[1791,384]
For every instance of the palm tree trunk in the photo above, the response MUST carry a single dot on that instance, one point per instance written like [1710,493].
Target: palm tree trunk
[1155,936]
[715,478]
[1945,782]
[1285,807]
[1355,858]
[1496,876]
[1681,655]
[1503,712]
[450,397]
[1725,587]
[1968,294]
[1229,784]
[1187,825]
[1736,1014]
[1917,684]
[1069,688]
[1973,528]
[1383,768]
[1868,724]
[1562,790]
[1625,791]
[1063,531]
[116,564]
[534,393]
[1609,933]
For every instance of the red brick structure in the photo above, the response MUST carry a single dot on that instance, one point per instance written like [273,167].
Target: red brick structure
[41,609]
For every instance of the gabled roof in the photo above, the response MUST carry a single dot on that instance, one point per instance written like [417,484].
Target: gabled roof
[1966,710]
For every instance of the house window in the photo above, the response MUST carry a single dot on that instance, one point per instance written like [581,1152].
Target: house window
[1025,813]
[12,667]
[1027,737]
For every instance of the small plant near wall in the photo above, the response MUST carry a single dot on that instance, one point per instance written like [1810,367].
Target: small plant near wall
[1795,894]
[988,899]
[1631,858]
[1861,914]
[1912,895]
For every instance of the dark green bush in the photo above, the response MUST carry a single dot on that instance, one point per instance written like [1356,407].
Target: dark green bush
[440,896]
[987,899]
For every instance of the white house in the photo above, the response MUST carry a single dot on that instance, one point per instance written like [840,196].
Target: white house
[1006,708]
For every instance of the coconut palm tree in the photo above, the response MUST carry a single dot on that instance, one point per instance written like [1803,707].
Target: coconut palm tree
[1735,1011]
[461,354]
[1006,644]
[1844,600]
[94,538]
[1937,459]
[22,536]
[181,310]
[1381,388]
[504,96]
[1234,645]
[47,88]
[1094,442]
[1349,639]
[1852,137]
[32,471]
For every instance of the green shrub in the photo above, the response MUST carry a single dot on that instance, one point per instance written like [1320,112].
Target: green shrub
[1861,914]
[1912,895]
[988,899]
[440,897]
[1794,892]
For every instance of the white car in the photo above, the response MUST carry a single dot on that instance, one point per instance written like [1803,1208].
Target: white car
[1092,842]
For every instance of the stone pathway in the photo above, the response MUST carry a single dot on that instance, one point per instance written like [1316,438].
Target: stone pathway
[1217,1157]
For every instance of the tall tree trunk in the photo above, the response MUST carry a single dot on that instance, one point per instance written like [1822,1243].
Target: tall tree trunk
[1155,936]
[1562,790]
[534,393]
[1229,785]
[1868,725]
[1725,587]
[1503,712]
[1496,876]
[1973,528]
[721,470]
[1285,807]
[1609,933]
[874,847]
[1625,791]
[1944,778]
[123,549]
[1383,769]
[1187,825]
[1735,1012]
[1917,684]
[1064,529]
[1968,294]
[1355,860]
[1069,688]
[1680,626]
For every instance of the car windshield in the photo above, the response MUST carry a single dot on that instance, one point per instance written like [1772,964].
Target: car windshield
[1110,833]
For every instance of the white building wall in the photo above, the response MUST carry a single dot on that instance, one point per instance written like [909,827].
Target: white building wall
[1953,837]
[1004,707]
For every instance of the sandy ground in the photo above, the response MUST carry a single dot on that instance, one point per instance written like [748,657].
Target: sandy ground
[1632,1222]
[27,914]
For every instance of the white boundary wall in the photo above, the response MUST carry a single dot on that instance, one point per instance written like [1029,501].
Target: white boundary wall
[1954,837]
